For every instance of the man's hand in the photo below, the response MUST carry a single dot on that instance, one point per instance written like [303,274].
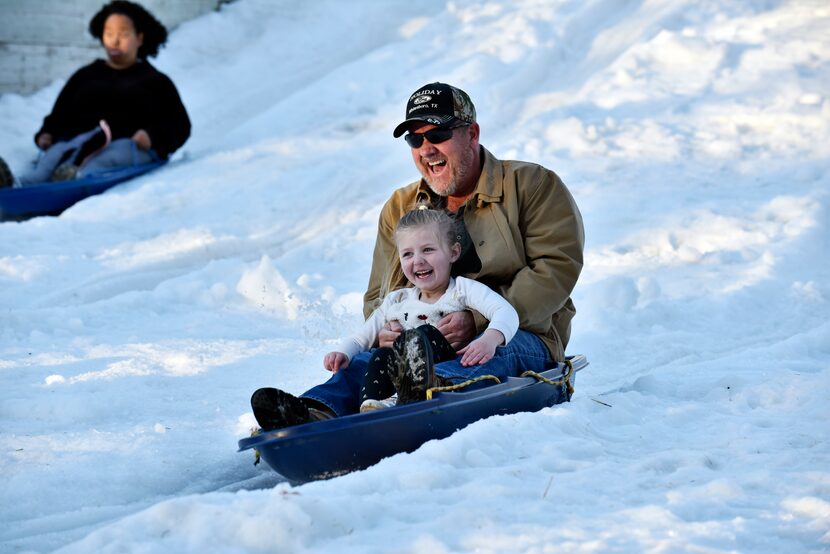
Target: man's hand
[335,360]
[142,139]
[44,141]
[458,328]
[389,333]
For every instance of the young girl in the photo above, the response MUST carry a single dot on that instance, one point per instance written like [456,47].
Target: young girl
[427,247]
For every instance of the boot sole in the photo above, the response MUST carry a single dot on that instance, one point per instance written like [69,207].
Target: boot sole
[417,371]
[275,409]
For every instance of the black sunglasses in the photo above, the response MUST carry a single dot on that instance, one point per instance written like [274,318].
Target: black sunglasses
[434,136]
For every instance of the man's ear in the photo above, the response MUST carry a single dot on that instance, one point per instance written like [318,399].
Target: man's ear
[455,251]
[475,133]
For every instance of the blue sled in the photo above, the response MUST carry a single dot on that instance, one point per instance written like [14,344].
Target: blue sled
[49,198]
[326,449]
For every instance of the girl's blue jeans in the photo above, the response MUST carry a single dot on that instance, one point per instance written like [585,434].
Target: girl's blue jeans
[341,393]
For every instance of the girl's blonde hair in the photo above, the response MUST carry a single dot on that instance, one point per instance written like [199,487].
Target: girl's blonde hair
[422,215]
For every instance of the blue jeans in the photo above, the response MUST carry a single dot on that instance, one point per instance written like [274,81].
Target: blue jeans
[119,153]
[341,393]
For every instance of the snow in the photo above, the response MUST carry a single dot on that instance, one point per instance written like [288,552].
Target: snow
[695,137]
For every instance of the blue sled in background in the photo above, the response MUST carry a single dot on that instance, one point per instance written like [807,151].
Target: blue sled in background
[50,198]
[325,449]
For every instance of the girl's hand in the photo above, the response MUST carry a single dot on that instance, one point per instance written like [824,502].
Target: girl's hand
[481,350]
[387,335]
[142,139]
[335,360]
[44,141]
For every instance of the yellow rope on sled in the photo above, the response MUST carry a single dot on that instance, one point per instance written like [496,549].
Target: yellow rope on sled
[460,385]
[565,380]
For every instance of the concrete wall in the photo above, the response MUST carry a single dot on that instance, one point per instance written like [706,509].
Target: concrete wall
[44,40]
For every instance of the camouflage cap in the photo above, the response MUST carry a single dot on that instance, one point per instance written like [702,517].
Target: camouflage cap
[439,104]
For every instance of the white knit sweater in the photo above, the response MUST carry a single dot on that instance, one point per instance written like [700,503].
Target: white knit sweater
[405,306]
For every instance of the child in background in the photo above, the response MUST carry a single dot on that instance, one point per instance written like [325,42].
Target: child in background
[116,112]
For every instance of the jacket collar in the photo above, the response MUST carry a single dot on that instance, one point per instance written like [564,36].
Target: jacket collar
[490,186]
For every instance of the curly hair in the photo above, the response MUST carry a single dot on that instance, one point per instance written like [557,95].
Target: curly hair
[155,34]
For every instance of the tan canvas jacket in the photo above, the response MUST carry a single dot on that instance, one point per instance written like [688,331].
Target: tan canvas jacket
[527,231]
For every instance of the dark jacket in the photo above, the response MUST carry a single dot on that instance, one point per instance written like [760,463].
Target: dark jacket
[528,233]
[139,97]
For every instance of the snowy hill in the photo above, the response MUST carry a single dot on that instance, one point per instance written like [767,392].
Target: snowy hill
[695,137]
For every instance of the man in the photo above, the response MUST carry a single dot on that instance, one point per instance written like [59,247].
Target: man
[521,234]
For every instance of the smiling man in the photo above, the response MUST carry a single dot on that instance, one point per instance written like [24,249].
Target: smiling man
[520,232]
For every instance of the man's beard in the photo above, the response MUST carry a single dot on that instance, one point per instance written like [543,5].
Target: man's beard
[461,172]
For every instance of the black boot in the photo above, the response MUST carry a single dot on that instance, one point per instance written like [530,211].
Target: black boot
[6,177]
[416,369]
[275,409]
